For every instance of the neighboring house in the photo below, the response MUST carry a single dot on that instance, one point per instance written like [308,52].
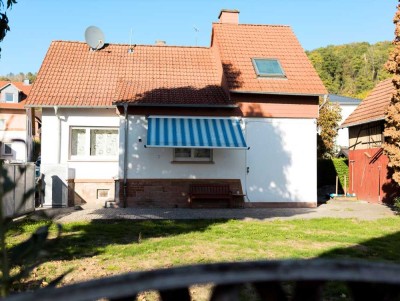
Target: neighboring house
[347,106]
[141,123]
[368,173]
[13,121]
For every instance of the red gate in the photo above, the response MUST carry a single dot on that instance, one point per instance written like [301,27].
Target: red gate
[369,177]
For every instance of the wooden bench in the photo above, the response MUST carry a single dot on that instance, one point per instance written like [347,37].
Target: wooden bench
[216,192]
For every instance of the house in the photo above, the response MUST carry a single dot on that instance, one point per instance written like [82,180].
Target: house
[141,123]
[14,121]
[347,106]
[369,177]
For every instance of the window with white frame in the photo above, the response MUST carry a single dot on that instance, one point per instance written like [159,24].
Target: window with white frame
[7,149]
[93,143]
[192,154]
[9,97]
[2,124]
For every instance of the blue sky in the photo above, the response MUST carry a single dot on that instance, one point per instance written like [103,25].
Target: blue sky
[317,23]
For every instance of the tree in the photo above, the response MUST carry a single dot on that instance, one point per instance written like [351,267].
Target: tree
[351,69]
[392,119]
[4,19]
[327,123]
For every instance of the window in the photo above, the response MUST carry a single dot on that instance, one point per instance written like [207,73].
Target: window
[93,143]
[2,124]
[7,149]
[102,193]
[193,154]
[268,68]
[9,97]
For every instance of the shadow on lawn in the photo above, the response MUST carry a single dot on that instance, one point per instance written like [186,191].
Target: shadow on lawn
[385,248]
[87,240]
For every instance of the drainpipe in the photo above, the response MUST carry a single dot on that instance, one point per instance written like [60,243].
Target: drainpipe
[324,102]
[126,136]
[58,134]
[28,138]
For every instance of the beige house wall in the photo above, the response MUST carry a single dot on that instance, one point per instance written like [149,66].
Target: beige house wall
[15,120]
[366,136]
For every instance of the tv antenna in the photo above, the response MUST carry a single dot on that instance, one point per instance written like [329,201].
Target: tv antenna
[130,49]
[94,37]
[196,33]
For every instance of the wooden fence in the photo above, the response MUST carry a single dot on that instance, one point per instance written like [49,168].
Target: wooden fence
[17,182]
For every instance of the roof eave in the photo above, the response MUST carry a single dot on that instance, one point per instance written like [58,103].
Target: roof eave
[361,122]
[277,93]
[70,107]
[177,105]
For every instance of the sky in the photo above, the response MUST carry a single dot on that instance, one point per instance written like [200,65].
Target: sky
[316,23]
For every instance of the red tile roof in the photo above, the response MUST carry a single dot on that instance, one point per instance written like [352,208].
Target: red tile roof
[239,43]
[19,85]
[373,107]
[13,106]
[172,75]
[72,75]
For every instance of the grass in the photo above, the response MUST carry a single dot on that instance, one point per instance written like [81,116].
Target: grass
[103,248]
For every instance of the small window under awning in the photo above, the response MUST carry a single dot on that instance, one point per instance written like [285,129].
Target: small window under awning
[195,132]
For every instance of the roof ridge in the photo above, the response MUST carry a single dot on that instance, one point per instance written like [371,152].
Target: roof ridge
[135,45]
[255,25]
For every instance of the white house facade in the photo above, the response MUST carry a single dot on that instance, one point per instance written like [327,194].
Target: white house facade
[347,105]
[13,121]
[142,130]
[80,149]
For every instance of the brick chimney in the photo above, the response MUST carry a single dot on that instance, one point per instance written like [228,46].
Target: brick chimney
[230,16]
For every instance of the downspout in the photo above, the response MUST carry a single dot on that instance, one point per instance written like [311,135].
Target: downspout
[324,102]
[56,108]
[28,138]
[126,136]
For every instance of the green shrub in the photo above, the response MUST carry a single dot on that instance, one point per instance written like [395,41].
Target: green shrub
[342,170]
[328,169]
[396,204]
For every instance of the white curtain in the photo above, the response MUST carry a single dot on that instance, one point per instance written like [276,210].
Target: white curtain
[78,141]
[103,142]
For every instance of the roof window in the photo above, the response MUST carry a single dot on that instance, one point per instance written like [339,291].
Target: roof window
[268,67]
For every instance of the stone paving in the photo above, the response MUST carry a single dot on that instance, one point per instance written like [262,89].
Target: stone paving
[336,209]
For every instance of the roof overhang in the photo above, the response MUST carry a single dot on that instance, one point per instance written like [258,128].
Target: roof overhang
[71,107]
[10,84]
[276,93]
[361,122]
[232,106]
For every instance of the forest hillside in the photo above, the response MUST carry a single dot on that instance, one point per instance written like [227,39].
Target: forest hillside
[351,69]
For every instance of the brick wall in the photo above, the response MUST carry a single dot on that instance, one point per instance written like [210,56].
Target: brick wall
[168,193]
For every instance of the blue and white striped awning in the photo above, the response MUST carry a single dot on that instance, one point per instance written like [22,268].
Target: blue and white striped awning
[195,132]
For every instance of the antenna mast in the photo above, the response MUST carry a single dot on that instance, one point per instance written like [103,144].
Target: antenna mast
[196,33]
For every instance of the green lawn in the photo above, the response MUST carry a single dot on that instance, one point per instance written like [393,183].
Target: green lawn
[103,248]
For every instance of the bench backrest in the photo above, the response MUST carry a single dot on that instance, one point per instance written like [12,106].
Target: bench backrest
[209,189]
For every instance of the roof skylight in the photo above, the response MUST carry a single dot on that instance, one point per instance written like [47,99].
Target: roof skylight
[268,67]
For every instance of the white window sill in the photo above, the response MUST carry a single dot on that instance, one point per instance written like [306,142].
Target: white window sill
[192,162]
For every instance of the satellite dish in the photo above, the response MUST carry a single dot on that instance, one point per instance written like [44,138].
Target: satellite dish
[94,37]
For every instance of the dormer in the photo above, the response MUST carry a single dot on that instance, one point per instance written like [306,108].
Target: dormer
[13,92]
